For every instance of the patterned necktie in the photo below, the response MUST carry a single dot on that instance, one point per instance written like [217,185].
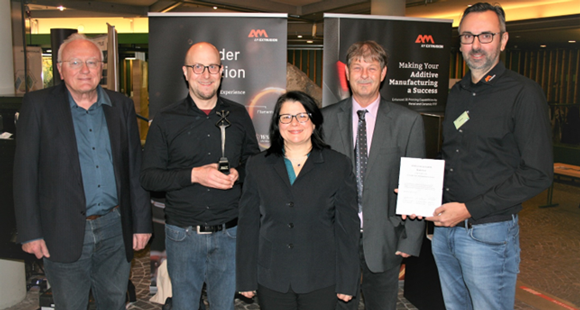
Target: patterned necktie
[361,157]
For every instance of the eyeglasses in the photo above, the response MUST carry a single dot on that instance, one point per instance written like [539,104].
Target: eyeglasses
[484,37]
[77,63]
[300,117]
[199,68]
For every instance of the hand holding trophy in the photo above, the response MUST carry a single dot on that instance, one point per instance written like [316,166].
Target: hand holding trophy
[223,123]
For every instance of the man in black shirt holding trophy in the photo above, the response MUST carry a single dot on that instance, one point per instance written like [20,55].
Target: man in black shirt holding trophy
[186,141]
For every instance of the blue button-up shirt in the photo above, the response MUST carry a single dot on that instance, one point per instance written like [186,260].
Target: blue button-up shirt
[95,156]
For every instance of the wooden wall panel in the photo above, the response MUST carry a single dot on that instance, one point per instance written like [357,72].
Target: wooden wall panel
[308,61]
[556,71]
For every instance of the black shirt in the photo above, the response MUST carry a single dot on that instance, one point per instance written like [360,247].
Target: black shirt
[502,156]
[182,137]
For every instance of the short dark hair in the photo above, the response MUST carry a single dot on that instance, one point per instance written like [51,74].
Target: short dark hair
[309,104]
[367,50]
[484,7]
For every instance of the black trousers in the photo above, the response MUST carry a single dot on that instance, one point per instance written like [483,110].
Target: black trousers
[322,299]
[380,289]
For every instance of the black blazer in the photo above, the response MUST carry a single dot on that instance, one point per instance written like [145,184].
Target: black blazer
[306,234]
[49,199]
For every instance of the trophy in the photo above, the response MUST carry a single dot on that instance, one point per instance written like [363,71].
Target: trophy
[223,123]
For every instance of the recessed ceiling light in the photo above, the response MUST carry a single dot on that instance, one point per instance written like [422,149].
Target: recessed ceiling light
[309,41]
[61,8]
[543,45]
[215,7]
[572,41]
[299,36]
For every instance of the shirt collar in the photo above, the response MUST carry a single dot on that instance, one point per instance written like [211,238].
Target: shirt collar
[492,76]
[102,98]
[191,104]
[489,78]
[371,108]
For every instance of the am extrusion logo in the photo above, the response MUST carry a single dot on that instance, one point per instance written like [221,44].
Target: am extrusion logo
[427,41]
[260,35]
[427,38]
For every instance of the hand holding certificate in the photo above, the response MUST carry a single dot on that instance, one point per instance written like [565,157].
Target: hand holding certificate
[420,186]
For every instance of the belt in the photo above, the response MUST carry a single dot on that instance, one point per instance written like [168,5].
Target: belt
[94,217]
[487,220]
[209,229]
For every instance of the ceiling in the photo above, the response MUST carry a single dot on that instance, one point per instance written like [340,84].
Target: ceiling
[531,23]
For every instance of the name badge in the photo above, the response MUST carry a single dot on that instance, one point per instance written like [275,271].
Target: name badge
[462,119]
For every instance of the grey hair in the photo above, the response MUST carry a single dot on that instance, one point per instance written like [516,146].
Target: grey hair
[74,37]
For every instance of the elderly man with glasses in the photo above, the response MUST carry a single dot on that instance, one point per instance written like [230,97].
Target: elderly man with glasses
[183,148]
[498,154]
[79,205]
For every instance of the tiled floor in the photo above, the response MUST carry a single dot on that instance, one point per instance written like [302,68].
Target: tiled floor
[550,242]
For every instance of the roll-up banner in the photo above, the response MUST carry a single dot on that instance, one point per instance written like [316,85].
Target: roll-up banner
[418,63]
[253,52]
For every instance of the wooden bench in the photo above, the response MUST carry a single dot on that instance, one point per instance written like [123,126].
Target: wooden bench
[566,170]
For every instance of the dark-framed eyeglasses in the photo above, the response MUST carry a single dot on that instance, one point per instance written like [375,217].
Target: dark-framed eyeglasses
[300,117]
[77,63]
[199,68]
[484,37]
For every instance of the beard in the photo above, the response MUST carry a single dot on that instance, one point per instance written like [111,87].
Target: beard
[204,96]
[485,64]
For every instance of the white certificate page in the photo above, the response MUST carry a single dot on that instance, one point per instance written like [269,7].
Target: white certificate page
[420,186]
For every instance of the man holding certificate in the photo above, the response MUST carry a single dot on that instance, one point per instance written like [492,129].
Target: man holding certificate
[375,134]
[498,154]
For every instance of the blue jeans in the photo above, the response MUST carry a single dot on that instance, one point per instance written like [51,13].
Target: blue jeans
[478,266]
[102,268]
[193,259]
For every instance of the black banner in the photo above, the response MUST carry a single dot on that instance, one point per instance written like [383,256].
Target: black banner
[418,65]
[253,51]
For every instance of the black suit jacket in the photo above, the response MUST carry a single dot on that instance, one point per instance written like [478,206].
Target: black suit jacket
[306,234]
[49,199]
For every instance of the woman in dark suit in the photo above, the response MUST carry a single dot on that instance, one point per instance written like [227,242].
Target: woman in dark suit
[298,227]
